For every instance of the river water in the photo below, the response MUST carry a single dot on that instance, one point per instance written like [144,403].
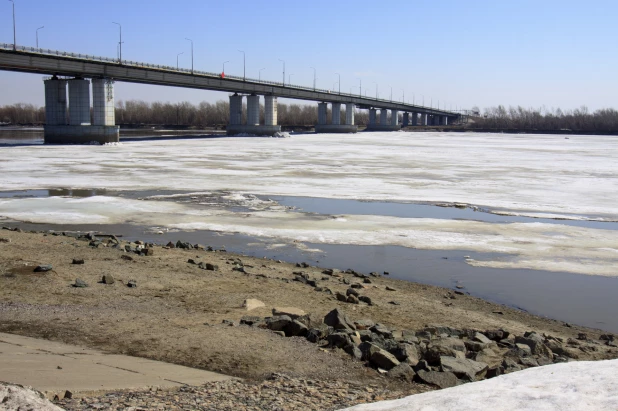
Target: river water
[528,221]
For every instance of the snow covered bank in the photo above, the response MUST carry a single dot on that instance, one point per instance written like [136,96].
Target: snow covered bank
[577,386]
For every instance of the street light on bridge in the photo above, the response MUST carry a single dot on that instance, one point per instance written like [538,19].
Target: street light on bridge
[339,82]
[360,87]
[260,74]
[191,54]
[119,43]
[283,71]
[313,77]
[37,36]
[14,38]
[177,59]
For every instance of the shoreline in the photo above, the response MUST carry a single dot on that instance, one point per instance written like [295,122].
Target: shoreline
[183,314]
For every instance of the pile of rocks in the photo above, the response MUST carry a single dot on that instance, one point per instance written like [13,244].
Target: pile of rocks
[440,356]
[278,393]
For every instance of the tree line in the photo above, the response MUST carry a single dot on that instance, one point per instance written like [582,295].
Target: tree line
[519,118]
[137,112]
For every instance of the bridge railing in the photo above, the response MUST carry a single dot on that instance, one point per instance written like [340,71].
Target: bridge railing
[171,69]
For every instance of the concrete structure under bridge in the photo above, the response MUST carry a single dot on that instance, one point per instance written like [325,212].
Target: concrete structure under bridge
[78,127]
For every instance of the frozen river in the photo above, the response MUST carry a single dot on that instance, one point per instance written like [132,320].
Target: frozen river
[524,203]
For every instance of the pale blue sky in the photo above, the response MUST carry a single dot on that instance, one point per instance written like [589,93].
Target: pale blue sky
[465,53]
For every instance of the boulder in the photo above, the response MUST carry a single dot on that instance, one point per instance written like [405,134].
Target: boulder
[367,349]
[251,320]
[454,343]
[407,353]
[402,372]
[80,283]
[489,357]
[310,320]
[437,351]
[278,323]
[535,342]
[365,299]
[352,299]
[439,379]
[339,340]
[319,333]
[364,324]
[132,284]
[341,297]
[464,368]
[383,359]
[295,328]
[351,291]
[43,268]
[78,261]
[354,351]
[108,279]
[479,337]
[251,304]
[338,320]
[291,312]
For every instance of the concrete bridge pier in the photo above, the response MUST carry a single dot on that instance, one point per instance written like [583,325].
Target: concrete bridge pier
[78,129]
[384,124]
[414,119]
[424,119]
[436,120]
[253,126]
[406,119]
[335,126]
[443,120]
[372,117]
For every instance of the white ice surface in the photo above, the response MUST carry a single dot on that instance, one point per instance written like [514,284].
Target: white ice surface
[524,245]
[526,175]
[534,173]
[575,386]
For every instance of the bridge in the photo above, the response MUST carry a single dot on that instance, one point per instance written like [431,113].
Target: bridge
[74,70]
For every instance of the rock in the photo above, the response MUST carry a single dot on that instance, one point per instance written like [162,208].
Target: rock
[132,284]
[351,291]
[364,324]
[357,286]
[494,372]
[108,279]
[328,271]
[279,333]
[251,320]
[559,349]
[394,303]
[318,333]
[582,336]
[291,312]
[439,379]
[383,359]
[382,330]
[43,268]
[464,368]
[365,299]
[278,323]
[341,297]
[388,288]
[476,346]
[366,281]
[80,283]
[310,320]
[338,320]
[352,299]
[78,261]
[496,335]
[402,372]
[230,323]
[489,357]
[354,351]
[148,251]
[339,339]
[479,337]
[170,245]
[528,362]
[252,304]
[126,257]
[367,349]
[436,352]
[295,328]
[407,353]
[211,267]
[535,342]
[454,343]
[5,240]
[523,350]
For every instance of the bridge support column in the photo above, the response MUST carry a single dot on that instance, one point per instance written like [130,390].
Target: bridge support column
[103,111]
[436,120]
[443,120]
[424,119]
[383,117]
[394,118]
[335,126]
[253,110]
[336,114]
[406,119]
[79,129]
[415,119]
[55,102]
[253,126]
[372,117]
[349,114]
[270,110]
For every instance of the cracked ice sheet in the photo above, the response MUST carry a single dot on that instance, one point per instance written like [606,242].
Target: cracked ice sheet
[523,174]
[523,245]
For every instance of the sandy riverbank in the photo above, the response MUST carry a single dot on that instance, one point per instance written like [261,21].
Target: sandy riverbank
[176,312]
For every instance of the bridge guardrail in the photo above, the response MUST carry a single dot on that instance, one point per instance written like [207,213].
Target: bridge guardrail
[130,63]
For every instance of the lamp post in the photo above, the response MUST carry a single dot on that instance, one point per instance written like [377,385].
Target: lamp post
[376,89]
[119,43]
[223,72]
[37,36]
[191,54]
[391,92]
[177,59]
[360,87]
[313,78]
[14,38]
[339,82]
[244,66]
[260,74]
[403,96]
[283,71]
